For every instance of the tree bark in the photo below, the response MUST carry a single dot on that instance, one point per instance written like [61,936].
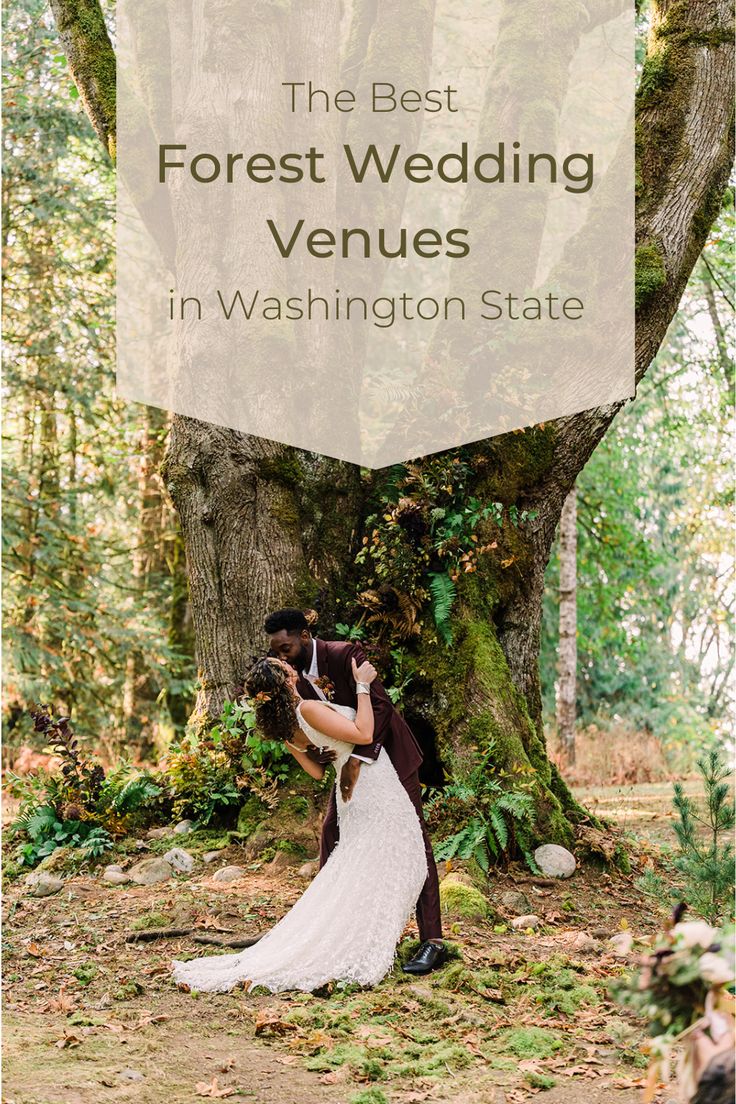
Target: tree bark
[91,60]
[150,571]
[568,648]
[261,528]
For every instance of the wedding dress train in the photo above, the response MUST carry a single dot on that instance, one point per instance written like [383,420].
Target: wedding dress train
[346,925]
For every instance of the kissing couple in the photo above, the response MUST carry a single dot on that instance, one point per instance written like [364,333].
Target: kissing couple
[323,700]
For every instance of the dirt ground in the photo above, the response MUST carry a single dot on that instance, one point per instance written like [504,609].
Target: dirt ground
[89,1018]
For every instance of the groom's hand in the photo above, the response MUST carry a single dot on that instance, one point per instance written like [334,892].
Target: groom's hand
[322,756]
[348,778]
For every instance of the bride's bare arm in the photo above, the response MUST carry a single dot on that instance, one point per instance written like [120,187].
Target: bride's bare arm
[333,724]
[337,727]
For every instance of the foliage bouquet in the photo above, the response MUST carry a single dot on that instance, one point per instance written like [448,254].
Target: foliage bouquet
[685,988]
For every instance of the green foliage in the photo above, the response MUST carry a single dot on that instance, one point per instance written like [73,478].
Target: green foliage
[151,920]
[705,838]
[654,598]
[209,773]
[458,899]
[400,677]
[86,972]
[44,833]
[443,591]
[556,986]
[349,632]
[87,584]
[651,274]
[425,532]
[81,806]
[496,812]
[200,779]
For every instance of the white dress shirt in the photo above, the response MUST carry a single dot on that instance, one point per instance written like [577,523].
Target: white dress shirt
[311,676]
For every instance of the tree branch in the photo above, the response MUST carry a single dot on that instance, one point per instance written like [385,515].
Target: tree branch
[91,59]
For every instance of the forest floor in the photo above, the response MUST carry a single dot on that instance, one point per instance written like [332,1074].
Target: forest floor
[89,1018]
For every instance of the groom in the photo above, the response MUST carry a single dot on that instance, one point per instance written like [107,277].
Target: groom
[325,671]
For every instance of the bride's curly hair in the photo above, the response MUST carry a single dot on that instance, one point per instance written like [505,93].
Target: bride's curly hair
[267,687]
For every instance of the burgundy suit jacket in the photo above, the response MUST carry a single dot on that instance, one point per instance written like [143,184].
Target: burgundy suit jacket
[334,660]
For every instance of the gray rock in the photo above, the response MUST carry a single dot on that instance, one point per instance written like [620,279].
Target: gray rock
[521,923]
[228,874]
[282,860]
[621,944]
[258,842]
[308,869]
[150,871]
[60,861]
[114,866]
[131,1075]
[211,856]
[158,833]
[583,941]
[555,861]
[183,828]
[116,877]
[180,859]
[43,884]
[515,901]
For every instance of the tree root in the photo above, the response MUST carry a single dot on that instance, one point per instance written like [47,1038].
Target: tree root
[174,933]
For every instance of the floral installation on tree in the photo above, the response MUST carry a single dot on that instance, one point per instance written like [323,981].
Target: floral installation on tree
[426,532]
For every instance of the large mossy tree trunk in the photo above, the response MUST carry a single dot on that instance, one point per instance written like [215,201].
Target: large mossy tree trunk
[265,524]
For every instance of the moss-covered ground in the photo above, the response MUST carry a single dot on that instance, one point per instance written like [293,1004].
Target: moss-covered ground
[90,1018]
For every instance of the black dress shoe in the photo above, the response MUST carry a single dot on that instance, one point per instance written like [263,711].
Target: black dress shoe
[429,957]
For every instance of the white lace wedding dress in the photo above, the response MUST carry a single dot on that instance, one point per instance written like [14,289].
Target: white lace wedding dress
[346,925]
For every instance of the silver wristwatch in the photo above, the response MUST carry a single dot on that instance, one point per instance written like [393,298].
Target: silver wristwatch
[362,688]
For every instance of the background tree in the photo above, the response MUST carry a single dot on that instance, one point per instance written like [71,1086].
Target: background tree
[655,600]
[83,497]
[257,525]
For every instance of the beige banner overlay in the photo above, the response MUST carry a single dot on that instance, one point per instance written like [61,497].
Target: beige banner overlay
[375,230]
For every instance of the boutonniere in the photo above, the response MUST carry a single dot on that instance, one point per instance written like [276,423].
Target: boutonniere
[327,687]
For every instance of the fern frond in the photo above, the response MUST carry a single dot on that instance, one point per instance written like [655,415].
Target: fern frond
[498,825]
[443,592]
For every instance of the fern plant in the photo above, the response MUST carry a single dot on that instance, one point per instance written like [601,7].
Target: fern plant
[44,832]
[443,592]
[81,806]
[496,819]
[706,853]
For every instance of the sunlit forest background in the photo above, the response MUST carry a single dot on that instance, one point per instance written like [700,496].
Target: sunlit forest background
[96,617]
[140,829]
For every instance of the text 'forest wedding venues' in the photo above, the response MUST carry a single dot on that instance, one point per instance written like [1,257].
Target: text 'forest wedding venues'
[376,238]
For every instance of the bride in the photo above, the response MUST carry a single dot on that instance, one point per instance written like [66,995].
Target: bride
[346,925]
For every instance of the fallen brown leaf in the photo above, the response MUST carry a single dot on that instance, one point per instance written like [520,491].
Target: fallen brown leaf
[269,1025]
[63,1003]
[213,1090]
[67,1040]
[148,1018]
